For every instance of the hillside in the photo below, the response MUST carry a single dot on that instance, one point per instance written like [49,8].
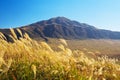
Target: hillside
[61,27]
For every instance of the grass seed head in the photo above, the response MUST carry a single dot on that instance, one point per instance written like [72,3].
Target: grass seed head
[13,33]
[33,67]
[63,42]
[19,31]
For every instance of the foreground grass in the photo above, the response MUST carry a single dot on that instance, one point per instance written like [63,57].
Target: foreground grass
[26,59]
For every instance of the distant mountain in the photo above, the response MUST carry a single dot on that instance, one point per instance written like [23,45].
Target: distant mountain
[61,27]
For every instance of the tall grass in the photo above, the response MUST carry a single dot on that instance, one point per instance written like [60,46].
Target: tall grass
[26,59]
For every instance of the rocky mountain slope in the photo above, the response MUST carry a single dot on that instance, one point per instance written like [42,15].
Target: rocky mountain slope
[61,27]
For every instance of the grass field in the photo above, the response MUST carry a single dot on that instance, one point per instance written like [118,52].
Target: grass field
[99,47]
[27,59]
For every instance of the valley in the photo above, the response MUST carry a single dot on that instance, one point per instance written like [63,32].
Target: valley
[99,47]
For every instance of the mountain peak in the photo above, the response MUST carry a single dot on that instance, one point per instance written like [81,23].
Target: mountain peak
[60,20]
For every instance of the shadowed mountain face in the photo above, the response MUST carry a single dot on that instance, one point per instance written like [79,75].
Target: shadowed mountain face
[61,27]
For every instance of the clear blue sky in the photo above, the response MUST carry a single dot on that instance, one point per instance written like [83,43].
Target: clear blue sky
[103,14]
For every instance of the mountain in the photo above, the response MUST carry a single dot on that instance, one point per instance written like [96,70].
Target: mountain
[61,27]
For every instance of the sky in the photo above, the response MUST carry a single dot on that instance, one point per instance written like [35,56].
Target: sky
[103,14]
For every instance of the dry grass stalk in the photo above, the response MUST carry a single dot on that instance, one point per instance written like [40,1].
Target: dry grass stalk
[13,34]
[19,31]
[63,42]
